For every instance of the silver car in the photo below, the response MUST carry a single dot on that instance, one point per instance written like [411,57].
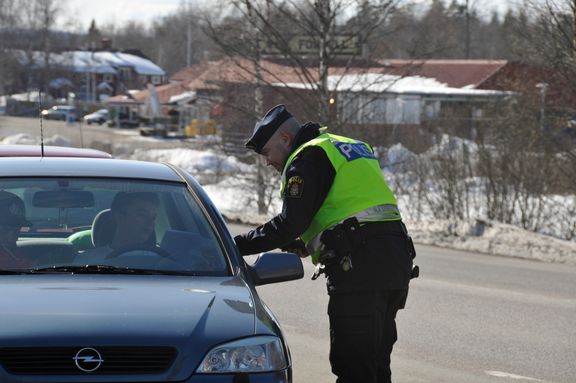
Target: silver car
[99,117]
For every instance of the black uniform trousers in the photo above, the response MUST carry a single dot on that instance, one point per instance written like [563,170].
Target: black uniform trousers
[364,302]
[362,334]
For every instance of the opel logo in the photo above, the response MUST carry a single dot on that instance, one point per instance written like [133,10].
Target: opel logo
[88,359]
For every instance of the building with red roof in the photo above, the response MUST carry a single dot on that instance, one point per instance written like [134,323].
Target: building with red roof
[386,93]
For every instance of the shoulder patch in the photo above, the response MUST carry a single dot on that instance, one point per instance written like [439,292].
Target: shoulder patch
[295,187]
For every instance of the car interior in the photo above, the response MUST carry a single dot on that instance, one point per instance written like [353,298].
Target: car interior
[71,222]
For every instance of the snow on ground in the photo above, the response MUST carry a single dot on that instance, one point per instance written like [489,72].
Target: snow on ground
[194,161]
[222,177]
[238,202]
[491,237]
[27,139]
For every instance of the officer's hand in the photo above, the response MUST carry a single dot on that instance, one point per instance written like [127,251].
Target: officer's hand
[302,253]
[297,247]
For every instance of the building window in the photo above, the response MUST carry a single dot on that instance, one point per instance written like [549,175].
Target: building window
[381,109]
[431,109]
[125,73]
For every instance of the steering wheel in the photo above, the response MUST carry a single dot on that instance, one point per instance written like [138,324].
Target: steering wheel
[127,249]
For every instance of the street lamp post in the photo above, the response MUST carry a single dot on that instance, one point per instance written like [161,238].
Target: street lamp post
[542,86]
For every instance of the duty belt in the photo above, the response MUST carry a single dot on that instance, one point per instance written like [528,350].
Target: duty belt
[372,214]
[339,243]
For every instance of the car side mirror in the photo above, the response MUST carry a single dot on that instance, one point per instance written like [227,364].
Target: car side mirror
[276,267]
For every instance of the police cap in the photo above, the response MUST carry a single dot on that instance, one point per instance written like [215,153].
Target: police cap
[267,126]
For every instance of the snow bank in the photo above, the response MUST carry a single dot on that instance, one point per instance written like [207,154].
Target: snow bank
[493,238]
[237,201]
[26,139]
[394,156]
[206,165]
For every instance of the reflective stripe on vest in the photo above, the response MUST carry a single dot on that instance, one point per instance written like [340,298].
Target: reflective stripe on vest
[358,186]
[373,214]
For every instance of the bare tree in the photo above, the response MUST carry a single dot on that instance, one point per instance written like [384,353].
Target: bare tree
[179,40]
[316,24]
[273,28]
[28,41]
[7,61]
[553,44]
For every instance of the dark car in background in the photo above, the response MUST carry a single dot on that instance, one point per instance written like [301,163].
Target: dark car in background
[60,112]
[182,308]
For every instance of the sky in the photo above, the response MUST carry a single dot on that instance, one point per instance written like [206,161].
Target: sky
[120,11]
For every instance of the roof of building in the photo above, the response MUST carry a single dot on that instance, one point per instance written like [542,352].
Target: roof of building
[237,70]
[387,83]
[453,73]
[165,93]
[463,77]
[103,62]
[188,74]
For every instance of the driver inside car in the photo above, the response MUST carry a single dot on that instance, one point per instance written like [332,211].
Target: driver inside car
[128,225]
[12,218]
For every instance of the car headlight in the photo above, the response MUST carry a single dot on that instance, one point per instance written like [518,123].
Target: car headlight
[256,354]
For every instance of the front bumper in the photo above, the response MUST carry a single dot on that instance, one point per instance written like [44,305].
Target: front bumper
[284,376]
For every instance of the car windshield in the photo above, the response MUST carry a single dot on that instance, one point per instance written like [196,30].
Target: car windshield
[105,225]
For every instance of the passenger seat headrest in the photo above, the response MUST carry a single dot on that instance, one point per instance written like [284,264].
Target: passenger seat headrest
[103,228]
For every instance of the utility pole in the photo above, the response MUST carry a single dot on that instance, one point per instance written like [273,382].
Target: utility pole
[468,29]
[189,41]
[574,29]
[323,11]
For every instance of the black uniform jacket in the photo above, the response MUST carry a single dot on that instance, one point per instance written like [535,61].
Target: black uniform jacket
[301,200]
[382,262]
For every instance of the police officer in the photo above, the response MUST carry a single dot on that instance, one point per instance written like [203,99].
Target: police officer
[338,209]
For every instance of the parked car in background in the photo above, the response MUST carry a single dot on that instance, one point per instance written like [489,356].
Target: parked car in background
[179,307]
[124,122]
[60,112]
[98,117]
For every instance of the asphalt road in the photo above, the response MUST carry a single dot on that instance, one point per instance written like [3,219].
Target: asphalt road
[82,135]
[470,318]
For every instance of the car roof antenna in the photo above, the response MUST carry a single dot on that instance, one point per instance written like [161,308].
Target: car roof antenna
[41,127]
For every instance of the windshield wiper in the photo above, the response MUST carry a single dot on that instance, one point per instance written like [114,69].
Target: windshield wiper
[12,272]
[105,269]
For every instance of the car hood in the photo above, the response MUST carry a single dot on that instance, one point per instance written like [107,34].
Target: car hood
[72,310]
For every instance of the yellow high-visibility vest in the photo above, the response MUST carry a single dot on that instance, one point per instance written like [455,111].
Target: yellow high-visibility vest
[358,189]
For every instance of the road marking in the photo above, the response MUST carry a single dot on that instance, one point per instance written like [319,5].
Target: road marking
[500,374]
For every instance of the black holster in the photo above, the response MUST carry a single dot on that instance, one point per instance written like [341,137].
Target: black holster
[340,241]
[348,237]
